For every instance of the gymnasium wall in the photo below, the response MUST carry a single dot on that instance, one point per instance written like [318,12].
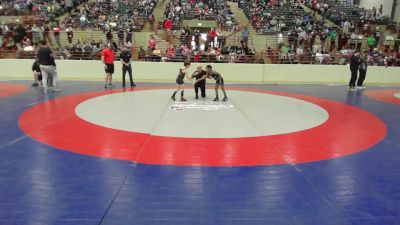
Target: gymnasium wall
[241,73]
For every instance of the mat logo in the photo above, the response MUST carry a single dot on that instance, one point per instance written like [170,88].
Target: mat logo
[206,106]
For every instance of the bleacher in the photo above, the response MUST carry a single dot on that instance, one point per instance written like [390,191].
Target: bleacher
[340,11]
[287,15]
[218,11]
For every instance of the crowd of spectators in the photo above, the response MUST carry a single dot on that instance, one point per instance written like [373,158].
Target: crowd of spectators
[271,17]
[218,10]
[50,9]
[111,15]
[40,22]
[199,49]
[306,39]
[302,38]
[335,46]
[341,11]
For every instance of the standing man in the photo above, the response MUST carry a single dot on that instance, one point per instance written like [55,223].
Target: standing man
[56,34]
[70,34]
[245,35]
[354,65]
[197,39]
[168,28]
[126,59]
[107,57]
[129,35]
[121,35]
[200,83]
[47,65]
[363,71]
[152,20]
[70,5]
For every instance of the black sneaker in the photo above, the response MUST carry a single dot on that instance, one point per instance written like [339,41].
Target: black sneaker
[197,97]
[173,98]
[133,85]
[183,99]
[35,85]
[224,99]
[216,99]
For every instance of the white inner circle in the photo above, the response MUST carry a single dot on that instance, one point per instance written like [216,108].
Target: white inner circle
[246,114]
[397,95]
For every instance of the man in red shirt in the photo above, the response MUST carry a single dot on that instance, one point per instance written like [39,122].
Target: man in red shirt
[168,27]
[107,57]
[212,34]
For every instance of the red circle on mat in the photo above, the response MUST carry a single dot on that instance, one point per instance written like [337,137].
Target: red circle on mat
[7,90]
[384,95]
[345,132]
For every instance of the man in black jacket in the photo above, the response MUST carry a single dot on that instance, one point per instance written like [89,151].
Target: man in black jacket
[47,65]
[200,83]
[126,60]
[354,65]
[363,71]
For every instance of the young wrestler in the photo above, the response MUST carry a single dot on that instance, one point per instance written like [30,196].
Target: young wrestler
[200,83]
[37,74]
[179,80]
[219,82]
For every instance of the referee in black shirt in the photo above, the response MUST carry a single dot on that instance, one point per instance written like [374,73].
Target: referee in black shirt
[126,59]
[200,83]
[354,65]
[47,65]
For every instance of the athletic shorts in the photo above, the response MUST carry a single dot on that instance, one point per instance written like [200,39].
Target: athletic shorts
[110,68]
[220,81]
[179,81]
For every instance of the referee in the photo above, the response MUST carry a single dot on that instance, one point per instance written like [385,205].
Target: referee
[200,83]
[47,65]
[126,59]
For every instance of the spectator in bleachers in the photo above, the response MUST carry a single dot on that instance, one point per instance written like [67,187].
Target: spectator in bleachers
[213,37]
[70,34]
[141,53]
[245,35]
[151,20]
[152,42]
[170,52]
[168,28]
[36,34]
[121,36]
[371,42]
[56,34]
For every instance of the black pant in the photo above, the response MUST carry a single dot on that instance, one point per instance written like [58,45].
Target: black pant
[361,78]
[124,70]
[354,74]
[202,87]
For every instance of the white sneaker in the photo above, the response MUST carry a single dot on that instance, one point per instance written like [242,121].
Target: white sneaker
[56,89]
[352,88]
